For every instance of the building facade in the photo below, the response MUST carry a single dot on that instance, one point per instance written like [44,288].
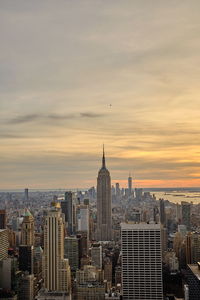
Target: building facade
[141,261]
[104,210]
[56,268]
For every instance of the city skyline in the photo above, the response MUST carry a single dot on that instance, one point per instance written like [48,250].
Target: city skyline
[77,75]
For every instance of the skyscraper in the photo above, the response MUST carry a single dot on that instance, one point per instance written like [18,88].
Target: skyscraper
[186,209]
[96,255]
[162,212]
[2,219]
[104,213]
[4,244]
[28,229]
[26,198]
[141,261]
[56,268]
[26,254]
[129,185]
[67,209]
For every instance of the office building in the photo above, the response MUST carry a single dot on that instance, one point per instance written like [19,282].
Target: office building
[83,218]
[26,255]
[27,230]
[141,261]
[162,212]
[4,245]
[2,219]
[68,210]
[51,295]
[130,189]
[193,281]
[186,211]
[104,212]
[96,255]
[26,287]
[26,198]
[107,269]
[71,252]
[56,268]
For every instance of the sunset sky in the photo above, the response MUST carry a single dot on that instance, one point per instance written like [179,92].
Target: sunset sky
[62,63]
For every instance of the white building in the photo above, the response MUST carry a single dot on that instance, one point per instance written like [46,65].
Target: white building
[141,262]
[83,218]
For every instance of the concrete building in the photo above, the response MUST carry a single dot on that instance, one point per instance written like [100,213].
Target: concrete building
[162,212]
[141,261]
[96,255]
[71,252]
[26,197]
[3,244]
[130,189]
[26,255]
[193,281]
[56,268]
[186,212]
[26,288]
[27,230]
[2,219]
[83,218]
[67,207]
[50,295]
[104,210]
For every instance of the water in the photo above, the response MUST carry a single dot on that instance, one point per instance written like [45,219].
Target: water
[177,196]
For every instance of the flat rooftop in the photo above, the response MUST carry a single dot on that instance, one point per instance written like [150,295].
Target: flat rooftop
[195,270]
[140,226]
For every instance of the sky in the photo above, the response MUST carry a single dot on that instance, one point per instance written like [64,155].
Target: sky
[62,63]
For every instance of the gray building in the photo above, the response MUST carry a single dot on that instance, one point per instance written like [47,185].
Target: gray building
[104,210]
[141,261]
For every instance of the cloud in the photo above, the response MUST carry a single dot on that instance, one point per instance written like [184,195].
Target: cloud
[52,117]
[91,115]
[24,119]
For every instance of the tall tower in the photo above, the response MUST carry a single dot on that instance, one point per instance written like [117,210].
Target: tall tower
[2,219]
[129,185]
[67,209]
[141,261]
[186,211]
[104,213]
[28,229]
[56,268]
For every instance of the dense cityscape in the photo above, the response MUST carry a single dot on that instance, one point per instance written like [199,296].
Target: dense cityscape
[103,243]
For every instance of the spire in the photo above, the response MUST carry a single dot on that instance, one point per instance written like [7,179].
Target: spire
[103,159]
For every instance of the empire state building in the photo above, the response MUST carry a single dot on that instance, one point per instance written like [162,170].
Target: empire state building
[104,213]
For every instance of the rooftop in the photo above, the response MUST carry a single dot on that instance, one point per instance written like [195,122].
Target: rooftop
[140,226]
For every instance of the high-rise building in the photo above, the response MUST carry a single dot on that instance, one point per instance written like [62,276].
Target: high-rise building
[162,212]
[4,244]
[96,255]
[117,189]
[2,219]
[52,295]
[26,198]
[28,229]
[26,255]
[130,185]
[104,210]
[186,210]
[26,287]
[71,252]
[67,209]
[56,268]
[193,280]
[107,269]
[83,218]
[141,261]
